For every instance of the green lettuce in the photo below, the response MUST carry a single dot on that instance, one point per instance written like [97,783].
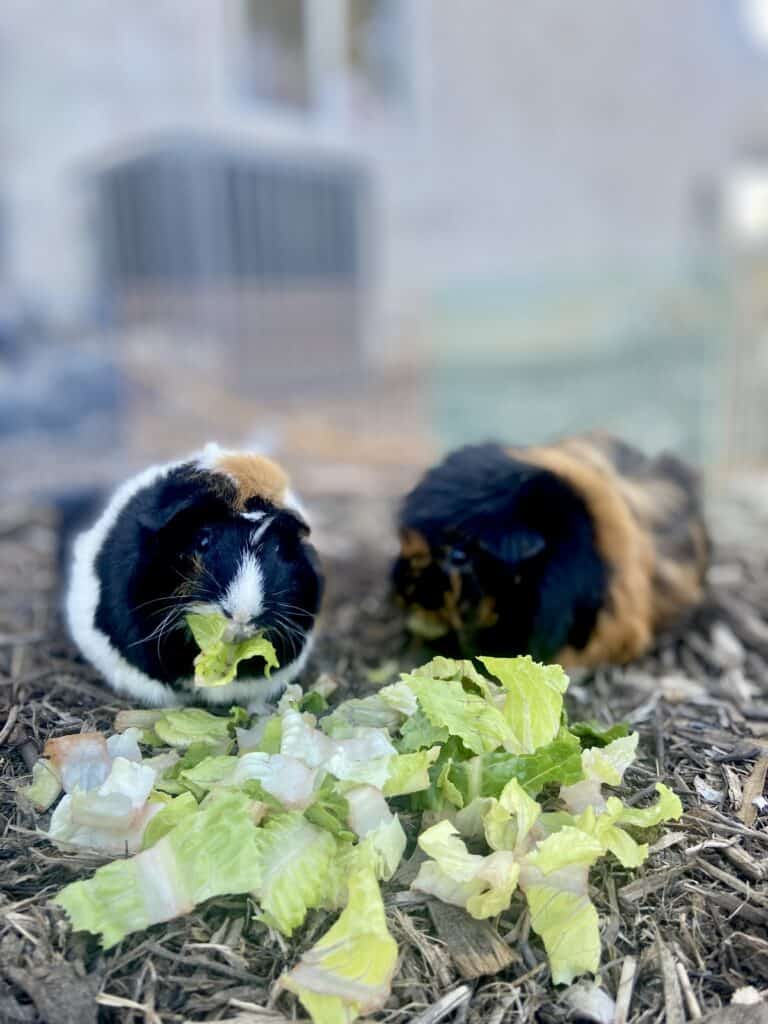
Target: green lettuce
[483,885]
[378,829]
[45,787]
[182,727]
[372,712]
[168,818]
[567,923]
[295,859]
[600,766]
[216,664]
[349,971]
[409,773]
[666,808]
[447,705]
[592,734]
[207,854]
[488,774]
[534,705]
[418,732]
[295,813]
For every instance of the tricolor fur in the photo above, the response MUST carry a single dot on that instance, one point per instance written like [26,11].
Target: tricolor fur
[576,552]
[220,532]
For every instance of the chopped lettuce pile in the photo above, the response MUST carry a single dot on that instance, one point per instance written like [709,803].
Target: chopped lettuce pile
[300,809]
[216,664]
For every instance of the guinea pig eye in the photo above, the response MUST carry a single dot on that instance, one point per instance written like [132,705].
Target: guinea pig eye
[203,540]
[457,557]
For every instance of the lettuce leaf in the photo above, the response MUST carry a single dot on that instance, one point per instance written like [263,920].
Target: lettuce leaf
[508,821]
[666,808]
[216,664]
[372,712]
[265,736]
[600,766]
[295,859]
[167,818]
[182,727]
[207,854]
[592,734]
[125,744]
[534,705]
[567,923]
[554,880]
[447,705]
[377,827]
[483,885]
[112,817]
[349,971]
[287,779]
[364,756]
[487,775]
[418,732]
[409,773]
[45,787]
[81,761]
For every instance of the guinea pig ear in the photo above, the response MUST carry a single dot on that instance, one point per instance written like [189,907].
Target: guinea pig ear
[513,547]
[292,520]
[160,515]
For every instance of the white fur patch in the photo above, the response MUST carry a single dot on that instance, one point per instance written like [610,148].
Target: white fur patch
[244,599]
[83,600]
[259,532]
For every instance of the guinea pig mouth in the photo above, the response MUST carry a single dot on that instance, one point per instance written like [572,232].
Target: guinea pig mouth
[236,632]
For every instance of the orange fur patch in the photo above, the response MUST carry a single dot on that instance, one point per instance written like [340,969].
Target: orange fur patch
[624,628]
[649,533]
[414,548]
[487,615]
[254,476]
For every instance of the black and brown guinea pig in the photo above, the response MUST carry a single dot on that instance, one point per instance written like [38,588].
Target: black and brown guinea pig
[577,552]
[219,532]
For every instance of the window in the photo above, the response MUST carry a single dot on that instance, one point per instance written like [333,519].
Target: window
[327,56]
[375,51]
[276,52]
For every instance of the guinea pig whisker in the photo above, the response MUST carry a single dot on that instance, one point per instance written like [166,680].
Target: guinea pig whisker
[194,582]
[159,628]
[166,599]
[291,627]
[290,642]
[279,613]
[290,633]
[287,627]
[283,606]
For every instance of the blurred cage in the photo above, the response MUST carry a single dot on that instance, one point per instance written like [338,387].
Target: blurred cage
[266,251]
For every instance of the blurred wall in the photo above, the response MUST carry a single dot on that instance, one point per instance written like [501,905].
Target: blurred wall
[547,176]
[516,139]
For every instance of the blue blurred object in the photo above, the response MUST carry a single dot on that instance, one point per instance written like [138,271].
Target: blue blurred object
[60,390]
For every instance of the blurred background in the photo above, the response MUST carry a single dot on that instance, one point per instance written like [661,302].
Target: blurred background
[358,232]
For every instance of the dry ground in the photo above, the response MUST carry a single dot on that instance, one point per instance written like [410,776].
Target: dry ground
[684,932]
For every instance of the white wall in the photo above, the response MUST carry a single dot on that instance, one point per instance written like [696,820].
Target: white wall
[543,137]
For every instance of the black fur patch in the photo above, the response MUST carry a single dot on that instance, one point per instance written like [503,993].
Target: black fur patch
[178,541]
[515,533]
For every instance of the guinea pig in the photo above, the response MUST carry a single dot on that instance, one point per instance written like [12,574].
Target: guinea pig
[218,532]
[577,552]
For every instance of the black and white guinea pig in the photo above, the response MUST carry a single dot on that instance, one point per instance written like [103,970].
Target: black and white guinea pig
[218,532]
[577,552]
